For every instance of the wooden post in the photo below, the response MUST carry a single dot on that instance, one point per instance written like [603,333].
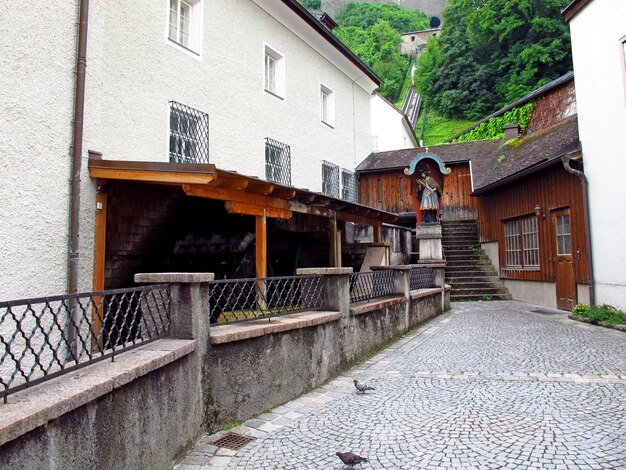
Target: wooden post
[332,251]
[99,251]
[377,233]
[261,259]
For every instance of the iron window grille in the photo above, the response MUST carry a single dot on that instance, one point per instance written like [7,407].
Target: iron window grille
[348,186]
[45,337]
[189,134]
[277,162]
[521,243]
[330,179]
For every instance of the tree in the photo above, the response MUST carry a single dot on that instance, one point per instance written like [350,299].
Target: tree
[379,47]
[493,52]
[365,15]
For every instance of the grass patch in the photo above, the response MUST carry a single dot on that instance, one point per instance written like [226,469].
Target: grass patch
[439,128]
[230,426]
[602,313]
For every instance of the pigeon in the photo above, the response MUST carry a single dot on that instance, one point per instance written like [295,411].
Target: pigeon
[350,458]
[362,386]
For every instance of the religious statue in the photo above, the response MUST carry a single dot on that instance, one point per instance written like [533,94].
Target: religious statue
[428,191]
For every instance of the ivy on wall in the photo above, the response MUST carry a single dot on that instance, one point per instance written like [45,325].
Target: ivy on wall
[494,128]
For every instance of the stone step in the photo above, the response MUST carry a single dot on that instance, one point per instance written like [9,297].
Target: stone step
[479,291]
[476,284]
[477,297]
[464,262]
[481,277]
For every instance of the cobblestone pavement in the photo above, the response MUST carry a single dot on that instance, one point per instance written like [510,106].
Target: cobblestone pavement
[488,385]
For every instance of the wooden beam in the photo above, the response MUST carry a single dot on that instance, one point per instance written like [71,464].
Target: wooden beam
[225,194]
[259,187]
[305,209]
[261,246]
[377,233]
[151,176]
[236,182]
[283,193]
[99,256]
[235,207]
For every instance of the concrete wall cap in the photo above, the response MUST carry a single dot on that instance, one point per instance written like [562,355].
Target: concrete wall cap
[179,278]
[397,267]
[322,271]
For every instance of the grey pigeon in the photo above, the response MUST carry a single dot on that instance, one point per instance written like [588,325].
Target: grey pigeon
[362,386]
[350,458]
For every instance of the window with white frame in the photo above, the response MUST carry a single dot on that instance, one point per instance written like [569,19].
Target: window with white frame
[274,72]
[185,24]
[277,161]
[327,105]
[348,185]
[563,235]
[521,243]
[189,134]
[330,179]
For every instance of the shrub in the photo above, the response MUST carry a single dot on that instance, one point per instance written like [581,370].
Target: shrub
[602,313]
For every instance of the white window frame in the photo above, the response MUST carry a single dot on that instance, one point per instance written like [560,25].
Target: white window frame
[196,15]
[186,142]
[274,81]
[327,106]
[521,243]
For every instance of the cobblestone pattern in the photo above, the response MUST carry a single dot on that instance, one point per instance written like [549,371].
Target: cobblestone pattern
[487,386]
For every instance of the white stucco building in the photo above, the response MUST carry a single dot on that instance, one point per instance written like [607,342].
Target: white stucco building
[243,71]
[598,30]
[390,127]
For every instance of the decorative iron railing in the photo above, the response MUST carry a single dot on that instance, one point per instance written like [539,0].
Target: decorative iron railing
[234,300]
[45,337]
[277,162]
[422,278]
[370,285]
[189,134]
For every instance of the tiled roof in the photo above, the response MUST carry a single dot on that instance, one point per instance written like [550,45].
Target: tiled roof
[494,162]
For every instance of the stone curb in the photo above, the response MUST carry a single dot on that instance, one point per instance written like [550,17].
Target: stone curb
[621,328]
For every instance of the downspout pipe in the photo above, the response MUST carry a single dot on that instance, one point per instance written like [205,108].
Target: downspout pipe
[77,147]
[565,159]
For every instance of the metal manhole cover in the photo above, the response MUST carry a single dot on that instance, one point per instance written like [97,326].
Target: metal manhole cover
[233,441]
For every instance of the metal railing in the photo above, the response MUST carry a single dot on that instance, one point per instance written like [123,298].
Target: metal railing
[189,134]
[42,338]
[234,300]
[277,162]
[370,285]
[422,278]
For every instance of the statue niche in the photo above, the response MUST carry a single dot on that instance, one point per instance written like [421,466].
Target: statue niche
[428,187]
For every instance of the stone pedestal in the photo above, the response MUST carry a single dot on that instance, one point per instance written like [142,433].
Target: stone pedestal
[429,238]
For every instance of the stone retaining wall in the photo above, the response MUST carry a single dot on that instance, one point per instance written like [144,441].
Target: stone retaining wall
[146,409]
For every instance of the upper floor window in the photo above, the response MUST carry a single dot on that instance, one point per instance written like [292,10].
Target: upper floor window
[189,134]
[274,73]
[330,179]
[277,162]
[185,23]
[327,105]
[521,242]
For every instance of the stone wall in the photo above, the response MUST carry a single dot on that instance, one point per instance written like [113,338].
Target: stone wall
[147,408]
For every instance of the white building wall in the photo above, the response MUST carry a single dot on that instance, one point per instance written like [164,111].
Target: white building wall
[389,128]
[140,71]
[37,64]
[602,120]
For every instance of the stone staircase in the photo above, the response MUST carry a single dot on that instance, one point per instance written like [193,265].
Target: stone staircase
[469,270]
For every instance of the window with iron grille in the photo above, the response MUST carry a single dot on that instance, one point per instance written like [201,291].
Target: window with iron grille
[277,162]
[189,134]
[330,179]
[274,72]
[521,242]
[185,23]
[348,185]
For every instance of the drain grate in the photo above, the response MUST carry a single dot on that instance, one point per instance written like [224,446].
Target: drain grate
[233,441]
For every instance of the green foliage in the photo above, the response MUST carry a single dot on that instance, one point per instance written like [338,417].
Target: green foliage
[487,298]
[493,52]
[602,313]
[379,47]
[493,128]
[311,4]
[365,15]
[439,128]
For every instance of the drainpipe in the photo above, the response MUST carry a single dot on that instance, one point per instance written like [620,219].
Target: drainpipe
[565,159]
[77,147]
